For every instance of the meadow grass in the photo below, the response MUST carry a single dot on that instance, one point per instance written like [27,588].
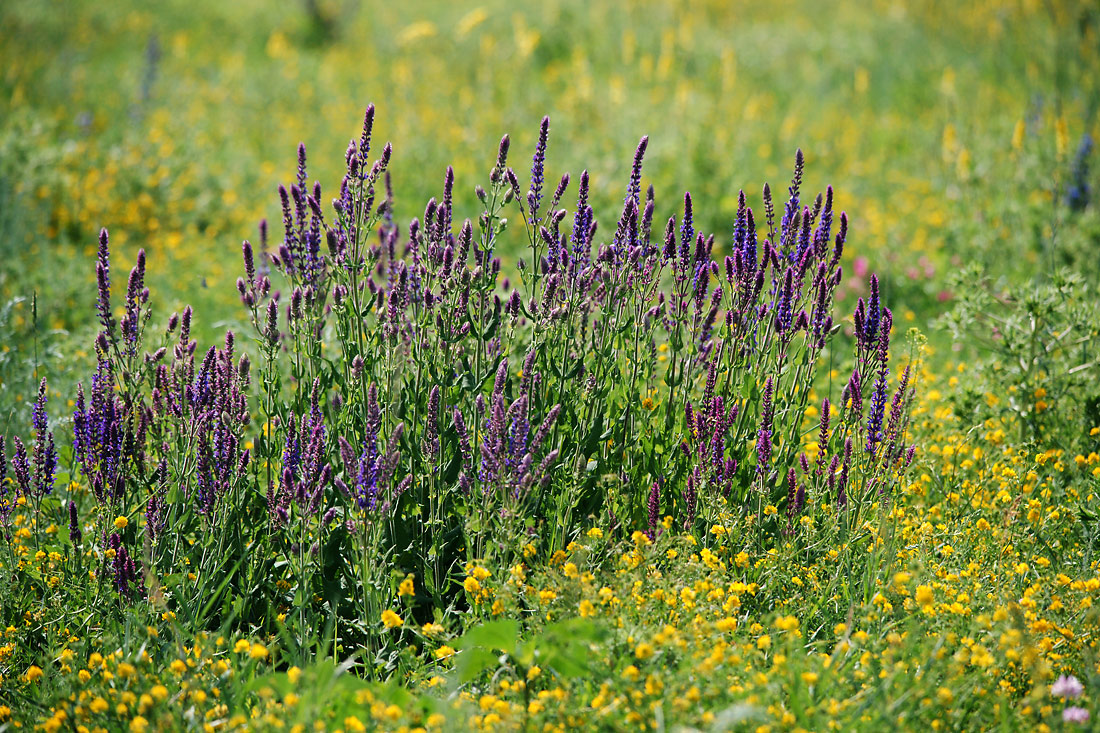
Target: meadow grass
[549,453]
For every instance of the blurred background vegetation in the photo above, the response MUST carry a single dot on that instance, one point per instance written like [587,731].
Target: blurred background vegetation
[948,129]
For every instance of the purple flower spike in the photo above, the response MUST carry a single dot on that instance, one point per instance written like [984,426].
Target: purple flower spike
[764,435]
[103,283]
[783,314]
[634,189]
[6,505]
[854,391]
[654,507]
[687,227]
[582,222]
[791,212]
[538,162]
[128,580]
[842,483]
[502,155]
[690,500]
[431,430]
[874,314]
[878,409]
[368,129]
[22,468]
[823,433]
[75,535]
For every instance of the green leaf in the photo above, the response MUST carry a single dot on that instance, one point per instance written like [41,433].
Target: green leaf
[565,646]
[472,662]
[491,329]
[501,635]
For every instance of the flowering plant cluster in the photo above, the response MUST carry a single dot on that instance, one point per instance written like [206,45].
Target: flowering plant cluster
[950,605]
[551,455]
[415,408]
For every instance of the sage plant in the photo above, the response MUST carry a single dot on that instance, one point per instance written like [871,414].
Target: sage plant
[417,404]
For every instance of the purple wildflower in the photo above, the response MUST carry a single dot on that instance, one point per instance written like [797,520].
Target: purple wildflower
[783,314]
[854,392]
[878,409]
[463,437]
[21,466]
[873,316]
[6,505]
[654,507]
[1067,687]
[634,189]
[75,535]
[538,162]
[823,433]
[842,483]
[687,227]
[431,430]
[764,435]
[582,221]
[154,516]
[128,581]
[45,452]
[690,498]
[1075,714]
[791,212]
[103,283]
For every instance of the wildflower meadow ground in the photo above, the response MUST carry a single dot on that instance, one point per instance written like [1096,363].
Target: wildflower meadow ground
[566,366]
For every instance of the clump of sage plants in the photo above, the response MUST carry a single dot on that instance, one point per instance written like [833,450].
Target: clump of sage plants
[406,406]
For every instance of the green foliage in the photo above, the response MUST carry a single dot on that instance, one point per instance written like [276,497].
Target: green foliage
[1038,358]
[632,588]
[1027,307]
